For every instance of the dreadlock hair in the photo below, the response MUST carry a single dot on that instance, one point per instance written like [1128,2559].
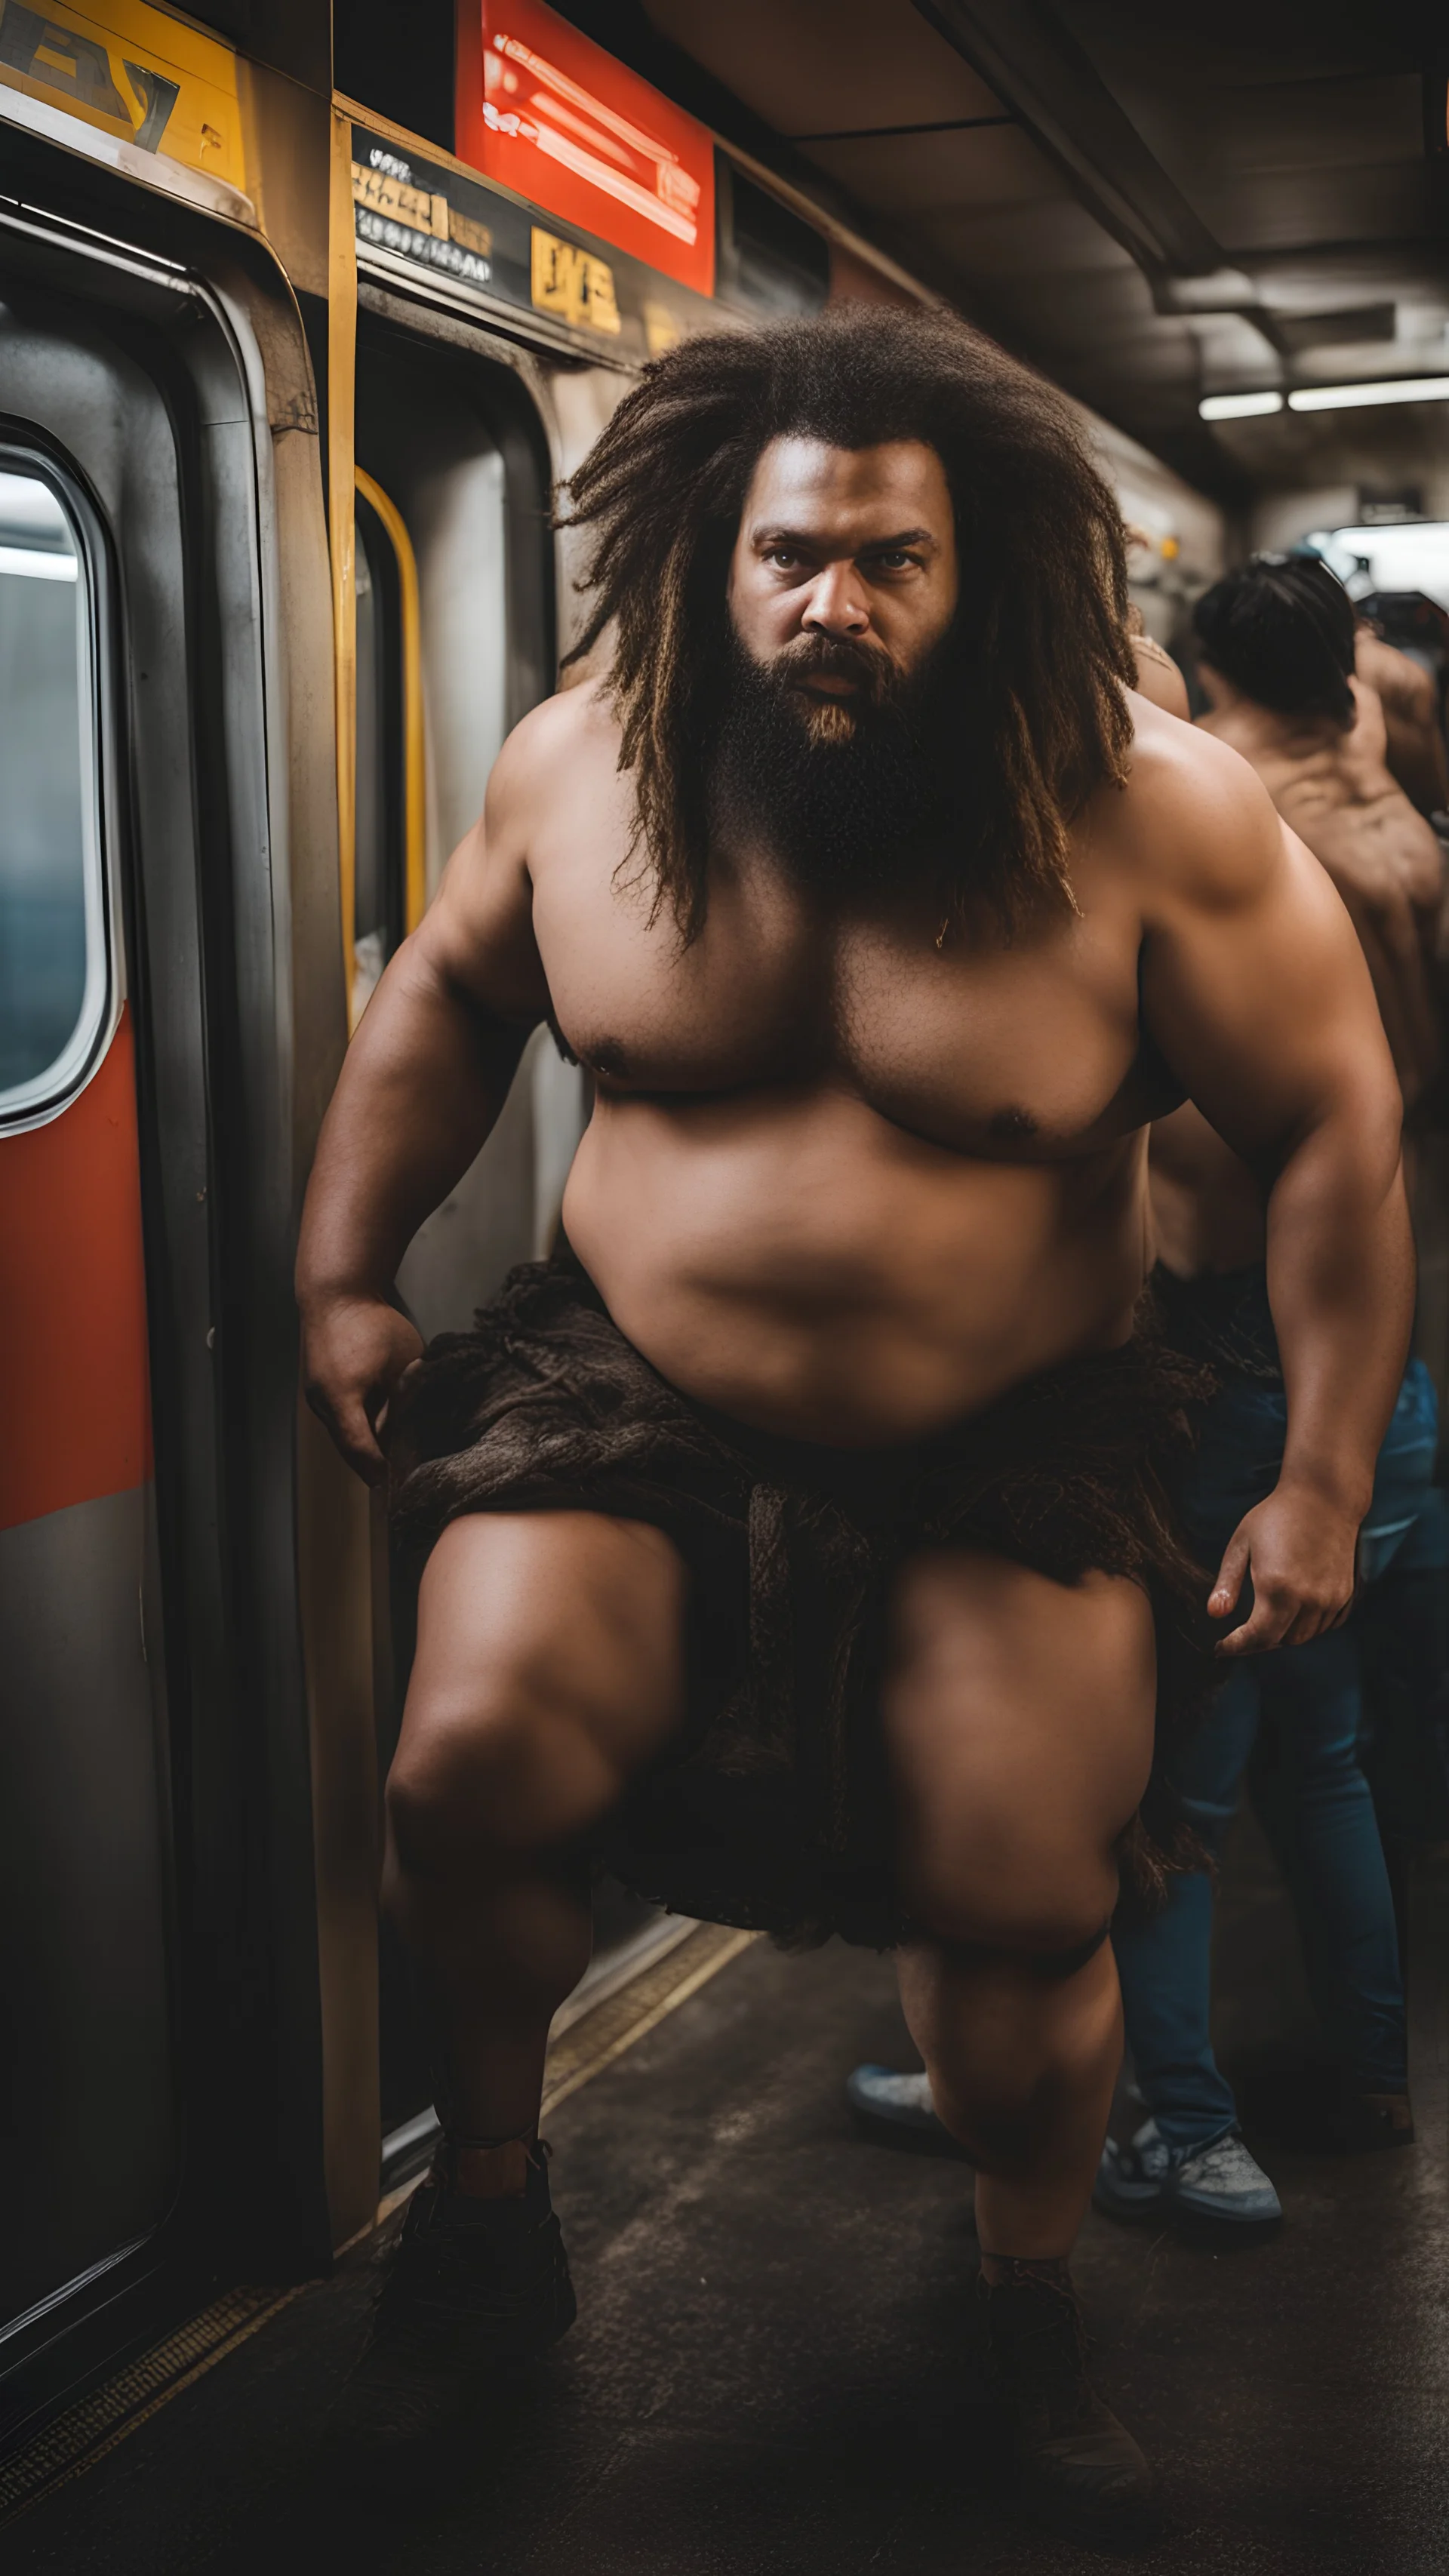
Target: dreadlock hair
[1043,577]
[1281,628]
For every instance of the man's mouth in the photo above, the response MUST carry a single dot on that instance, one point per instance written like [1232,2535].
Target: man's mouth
[829,684]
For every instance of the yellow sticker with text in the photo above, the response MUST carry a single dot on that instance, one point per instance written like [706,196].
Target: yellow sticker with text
[133,71]
[574,285]
[419,208]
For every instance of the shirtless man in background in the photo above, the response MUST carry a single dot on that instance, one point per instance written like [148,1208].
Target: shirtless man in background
[796,1546]
[1277,656]
[1319,743]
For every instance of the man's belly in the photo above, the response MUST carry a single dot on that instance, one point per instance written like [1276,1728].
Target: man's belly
[799,1262]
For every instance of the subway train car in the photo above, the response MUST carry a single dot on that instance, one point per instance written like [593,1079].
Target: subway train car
[304,314]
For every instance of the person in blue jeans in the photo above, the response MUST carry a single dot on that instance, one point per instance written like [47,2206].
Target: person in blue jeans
[1305,1706]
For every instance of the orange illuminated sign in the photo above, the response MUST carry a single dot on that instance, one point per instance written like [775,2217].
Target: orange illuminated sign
[547,112]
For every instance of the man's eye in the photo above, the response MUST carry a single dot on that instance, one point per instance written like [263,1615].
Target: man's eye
[897,560]
[785,556]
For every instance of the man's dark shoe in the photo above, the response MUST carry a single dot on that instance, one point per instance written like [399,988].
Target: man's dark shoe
[471,2289]
[1078,2469]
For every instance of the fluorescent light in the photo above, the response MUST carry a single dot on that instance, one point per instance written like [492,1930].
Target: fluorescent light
[1238,406]
[1414,555]
[1349,397]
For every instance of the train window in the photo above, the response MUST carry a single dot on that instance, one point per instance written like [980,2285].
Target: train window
[54,969]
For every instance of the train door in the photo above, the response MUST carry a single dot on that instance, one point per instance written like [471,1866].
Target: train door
[83,1774]
[160,2101]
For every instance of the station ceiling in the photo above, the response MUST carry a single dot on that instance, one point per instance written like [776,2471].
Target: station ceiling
[1151,206]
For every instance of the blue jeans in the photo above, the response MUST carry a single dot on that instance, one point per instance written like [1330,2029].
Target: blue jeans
[1309,1701]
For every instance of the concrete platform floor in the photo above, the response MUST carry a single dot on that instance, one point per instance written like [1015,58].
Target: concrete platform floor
[772,2374]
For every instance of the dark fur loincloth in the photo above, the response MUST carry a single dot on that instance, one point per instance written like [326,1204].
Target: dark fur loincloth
[773,1809]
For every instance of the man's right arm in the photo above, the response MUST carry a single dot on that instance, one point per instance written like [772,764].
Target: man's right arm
[421,1085]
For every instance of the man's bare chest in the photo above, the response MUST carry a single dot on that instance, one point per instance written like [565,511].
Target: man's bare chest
[1021,1048]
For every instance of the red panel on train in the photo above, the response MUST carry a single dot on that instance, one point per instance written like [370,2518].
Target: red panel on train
[548,112]
[76,1396]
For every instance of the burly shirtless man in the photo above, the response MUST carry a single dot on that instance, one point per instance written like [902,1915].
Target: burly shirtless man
[799,1542]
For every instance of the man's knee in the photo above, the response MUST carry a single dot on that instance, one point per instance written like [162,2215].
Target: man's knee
[500,1773]
[548,1667]
[1051,1940]
[1050,1909]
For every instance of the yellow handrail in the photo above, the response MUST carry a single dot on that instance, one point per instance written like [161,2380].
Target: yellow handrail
[415,852]
[341,397]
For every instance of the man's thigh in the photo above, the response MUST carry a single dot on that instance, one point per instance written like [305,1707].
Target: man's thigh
[1019,1726]
[549,1665]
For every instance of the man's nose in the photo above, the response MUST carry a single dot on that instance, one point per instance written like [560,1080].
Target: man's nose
[837,604]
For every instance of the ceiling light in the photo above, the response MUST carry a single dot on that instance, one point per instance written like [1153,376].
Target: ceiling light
[1349,397]
[1238,406]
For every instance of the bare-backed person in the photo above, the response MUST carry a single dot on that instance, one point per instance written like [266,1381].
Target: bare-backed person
[1279,649]
[797,1542]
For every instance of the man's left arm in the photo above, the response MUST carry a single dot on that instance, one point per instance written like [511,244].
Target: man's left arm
[1256,989]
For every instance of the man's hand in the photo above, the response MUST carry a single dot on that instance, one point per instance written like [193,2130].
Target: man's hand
[356,1351]
[1300,1550]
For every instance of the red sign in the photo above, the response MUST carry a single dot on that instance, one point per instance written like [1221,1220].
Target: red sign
[549,113]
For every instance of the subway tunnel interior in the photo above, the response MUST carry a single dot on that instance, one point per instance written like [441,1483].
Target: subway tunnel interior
[1225,243]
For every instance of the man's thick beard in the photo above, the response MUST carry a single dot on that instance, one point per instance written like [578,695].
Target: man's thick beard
[855,797]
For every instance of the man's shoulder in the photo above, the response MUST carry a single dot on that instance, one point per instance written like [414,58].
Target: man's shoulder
[564,748]
[573,725]
[1194,819]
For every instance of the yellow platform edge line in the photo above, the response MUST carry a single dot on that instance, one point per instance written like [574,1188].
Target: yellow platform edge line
[689,1983]
[600,2036]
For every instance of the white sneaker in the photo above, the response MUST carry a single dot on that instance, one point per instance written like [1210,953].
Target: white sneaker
[902,2100]
[1220,2181]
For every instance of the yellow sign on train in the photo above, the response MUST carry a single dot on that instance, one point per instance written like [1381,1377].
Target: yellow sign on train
[133,71]
[574,284]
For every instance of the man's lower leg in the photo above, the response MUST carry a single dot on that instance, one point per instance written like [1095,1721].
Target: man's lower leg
[1023,2054]
[478,2280]
[494,1960]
